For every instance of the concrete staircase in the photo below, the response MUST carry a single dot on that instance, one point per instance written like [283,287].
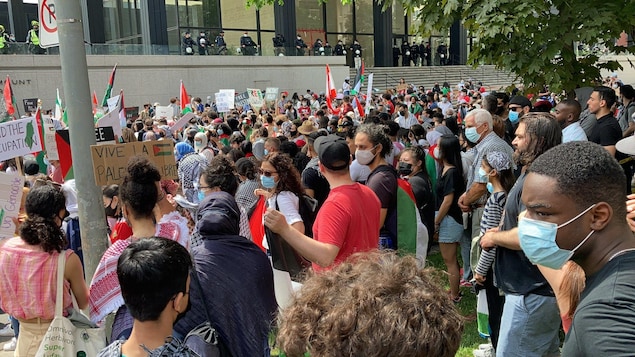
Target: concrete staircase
[388,77]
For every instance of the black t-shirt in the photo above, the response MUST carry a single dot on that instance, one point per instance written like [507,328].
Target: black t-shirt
[513,272]
[603,324]
[607,132]
[313,180]
[383,181]
[422,189]
[451,182]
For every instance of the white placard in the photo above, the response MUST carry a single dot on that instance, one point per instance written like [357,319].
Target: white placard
[183,121]
[19,138]
[225,100]
[113,103]
[111,119]
[10,198]
[163,112]
[50,145]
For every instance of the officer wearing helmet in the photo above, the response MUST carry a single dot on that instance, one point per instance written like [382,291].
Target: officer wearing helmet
[33,39]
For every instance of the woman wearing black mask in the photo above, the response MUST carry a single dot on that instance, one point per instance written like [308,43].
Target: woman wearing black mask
[110,195]
[412,168]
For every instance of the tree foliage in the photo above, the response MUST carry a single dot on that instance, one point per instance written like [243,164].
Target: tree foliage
[535,39]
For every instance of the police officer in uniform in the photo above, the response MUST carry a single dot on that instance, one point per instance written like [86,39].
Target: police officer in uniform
[33,39]
[4,41]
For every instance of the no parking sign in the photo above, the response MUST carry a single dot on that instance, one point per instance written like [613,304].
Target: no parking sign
[48,24]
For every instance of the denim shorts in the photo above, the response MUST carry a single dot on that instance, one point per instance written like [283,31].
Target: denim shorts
[450,231]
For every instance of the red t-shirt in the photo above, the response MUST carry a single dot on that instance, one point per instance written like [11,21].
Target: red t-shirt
[348,219]
[121,231]
[304,111]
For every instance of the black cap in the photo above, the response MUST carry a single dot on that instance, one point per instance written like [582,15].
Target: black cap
[333,152]
[520,100]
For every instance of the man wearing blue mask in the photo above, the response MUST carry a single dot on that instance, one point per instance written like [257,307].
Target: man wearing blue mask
[530,320]
[479,130]
[517,107]
[568,217]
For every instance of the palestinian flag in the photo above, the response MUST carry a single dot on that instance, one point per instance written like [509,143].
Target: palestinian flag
[359,80]
[62,139]
[185,100]
[163,149]
[9,98]
[111,82]
[95,103]
[255,223]
[406,218]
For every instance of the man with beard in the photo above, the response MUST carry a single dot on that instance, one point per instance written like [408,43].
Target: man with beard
[517,107]
[530,321]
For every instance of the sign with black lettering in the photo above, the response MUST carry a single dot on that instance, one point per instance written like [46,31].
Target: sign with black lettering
[30,105]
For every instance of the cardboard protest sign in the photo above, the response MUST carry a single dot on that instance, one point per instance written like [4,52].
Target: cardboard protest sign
[19,138]
[241,99]
[10,199]
[271,95]
[110,162]
[164,112]
[183,121]
[256,100]
[132,113]
[225,100]
[49,139]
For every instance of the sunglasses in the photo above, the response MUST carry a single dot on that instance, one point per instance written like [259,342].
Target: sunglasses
[267,173]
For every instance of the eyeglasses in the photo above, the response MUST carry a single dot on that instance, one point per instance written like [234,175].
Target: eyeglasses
[267,173]
[516,109]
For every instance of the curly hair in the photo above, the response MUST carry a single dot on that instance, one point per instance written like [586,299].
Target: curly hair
[220,173]
[373,304]
[43,205]
[139,191]
[288,176]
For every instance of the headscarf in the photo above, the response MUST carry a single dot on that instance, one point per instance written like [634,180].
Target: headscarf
[203,138]
[181,149]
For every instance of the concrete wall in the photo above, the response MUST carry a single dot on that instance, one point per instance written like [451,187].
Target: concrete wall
[146,79]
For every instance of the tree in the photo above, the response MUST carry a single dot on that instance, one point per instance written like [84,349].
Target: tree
[534,39]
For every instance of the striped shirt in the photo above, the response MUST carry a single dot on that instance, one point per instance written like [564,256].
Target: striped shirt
[491,142]
[492,214]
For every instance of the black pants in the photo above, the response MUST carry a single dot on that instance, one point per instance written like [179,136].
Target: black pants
[495,303]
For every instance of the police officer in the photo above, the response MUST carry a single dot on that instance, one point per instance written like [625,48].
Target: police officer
[4,41]
[356,50]
[33,40]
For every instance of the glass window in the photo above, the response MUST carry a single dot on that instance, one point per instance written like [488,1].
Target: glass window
[339,17]
[368,49]
[364,16]
[267,20]
[308,14]
[236,16]
[398,23]
[122,21]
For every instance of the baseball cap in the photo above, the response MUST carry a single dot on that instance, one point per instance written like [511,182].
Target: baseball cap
[520,100]
[31,167]
[333,152]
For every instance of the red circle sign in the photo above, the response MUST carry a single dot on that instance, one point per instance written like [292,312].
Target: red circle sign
[46,13]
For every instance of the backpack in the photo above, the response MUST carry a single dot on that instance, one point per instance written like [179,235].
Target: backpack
[308,212]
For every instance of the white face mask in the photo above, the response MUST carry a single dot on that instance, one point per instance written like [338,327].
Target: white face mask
[365,157]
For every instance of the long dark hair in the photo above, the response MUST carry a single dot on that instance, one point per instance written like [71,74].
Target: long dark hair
[289,177]
[43,205]
[451,151]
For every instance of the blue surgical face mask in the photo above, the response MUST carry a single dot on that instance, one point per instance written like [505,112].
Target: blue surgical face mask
[538,241]
[267,182]
[472,135]
[482,175]
[201,196]
[490,187]
[219,131]
[266,152]
[513,116]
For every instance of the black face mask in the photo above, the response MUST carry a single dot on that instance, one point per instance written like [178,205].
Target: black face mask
[405,168]
[293,133]
[499,110]
[402,113]
[111,212]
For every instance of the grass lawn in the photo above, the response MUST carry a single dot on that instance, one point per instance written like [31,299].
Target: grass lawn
[467,308]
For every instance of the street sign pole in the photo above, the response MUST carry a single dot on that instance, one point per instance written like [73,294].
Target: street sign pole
[92,220]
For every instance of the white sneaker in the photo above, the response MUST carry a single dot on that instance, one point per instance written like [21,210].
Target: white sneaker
[7,331]
[483,353]
[10,346]
[485,346]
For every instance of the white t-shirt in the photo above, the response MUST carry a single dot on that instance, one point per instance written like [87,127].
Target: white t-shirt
[288,205]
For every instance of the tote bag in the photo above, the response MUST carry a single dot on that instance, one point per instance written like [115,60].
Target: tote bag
[63,338]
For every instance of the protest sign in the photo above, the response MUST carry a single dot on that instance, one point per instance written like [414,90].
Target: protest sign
[10,199]
[19,138]
[113,103]
[241,99]
[164,112]
[30,105]
[225,100]
[104,135]
[256,99]
[110,162]
[183,121]
[271,95]
[112,120]
[132,113]
[49,139]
